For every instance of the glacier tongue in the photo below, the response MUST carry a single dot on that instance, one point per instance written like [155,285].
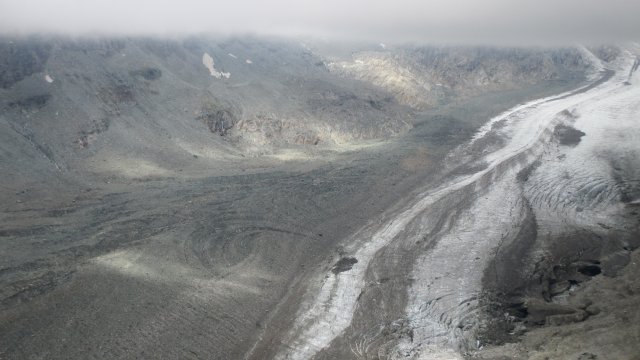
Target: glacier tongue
[443,305]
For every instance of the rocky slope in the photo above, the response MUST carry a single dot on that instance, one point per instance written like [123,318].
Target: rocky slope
[86,101]
[425,77]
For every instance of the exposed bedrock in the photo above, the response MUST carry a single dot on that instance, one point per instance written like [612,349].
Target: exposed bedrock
[22,59]
[424,77]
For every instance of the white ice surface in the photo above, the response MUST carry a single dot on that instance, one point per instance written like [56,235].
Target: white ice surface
[445,292]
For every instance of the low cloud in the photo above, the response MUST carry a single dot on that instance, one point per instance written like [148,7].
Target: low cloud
[374,20]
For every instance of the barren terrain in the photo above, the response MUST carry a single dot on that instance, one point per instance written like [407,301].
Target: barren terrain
[259,198]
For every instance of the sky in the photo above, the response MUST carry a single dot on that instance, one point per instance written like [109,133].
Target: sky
[372,20]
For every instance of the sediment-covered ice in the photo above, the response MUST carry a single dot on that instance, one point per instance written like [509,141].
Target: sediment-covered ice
[442,299]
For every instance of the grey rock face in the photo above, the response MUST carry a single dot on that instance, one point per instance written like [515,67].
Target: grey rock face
[21,59]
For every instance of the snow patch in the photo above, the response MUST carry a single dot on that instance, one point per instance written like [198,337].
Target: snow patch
[249,61]
[207,61]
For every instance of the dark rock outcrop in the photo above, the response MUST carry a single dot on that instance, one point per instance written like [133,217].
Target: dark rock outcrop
[21,59]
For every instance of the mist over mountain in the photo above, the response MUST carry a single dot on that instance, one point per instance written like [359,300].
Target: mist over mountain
[434,21]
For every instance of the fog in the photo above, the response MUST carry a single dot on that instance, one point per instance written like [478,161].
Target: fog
[374,20]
